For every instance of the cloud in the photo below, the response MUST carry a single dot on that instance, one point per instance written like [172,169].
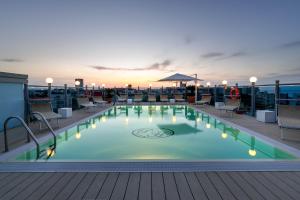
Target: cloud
[293,44]
[233,55]
[212,55]
[159,66]
[189,39]
[223,56]
[11,60]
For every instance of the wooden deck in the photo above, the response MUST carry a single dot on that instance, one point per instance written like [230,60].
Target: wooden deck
[147,186]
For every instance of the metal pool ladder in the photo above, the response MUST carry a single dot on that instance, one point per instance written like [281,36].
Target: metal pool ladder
[30,133]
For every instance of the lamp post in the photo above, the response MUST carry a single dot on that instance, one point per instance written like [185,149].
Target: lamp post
[93,85]
[208,85]
[224,83]
[196,90]
[77,83]
[49,81]
[253,80]
[103,90]
[126,89]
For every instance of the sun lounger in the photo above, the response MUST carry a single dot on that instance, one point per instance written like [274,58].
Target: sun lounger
[152,98]
[164,98]
[230,105]
[99,100]
[84,102]
[122,98]
[138,98]
[179,98]
[204,100]
[46,110]
[289,122]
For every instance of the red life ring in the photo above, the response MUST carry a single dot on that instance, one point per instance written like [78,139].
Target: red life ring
[234,93]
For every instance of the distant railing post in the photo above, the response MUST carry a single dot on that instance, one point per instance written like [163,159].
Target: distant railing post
[253,98]
[215,93]
[26,103]
[66,95]
[277,93]
[49,91]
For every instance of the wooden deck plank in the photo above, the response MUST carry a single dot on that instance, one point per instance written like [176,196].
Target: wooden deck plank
[96,186]
[170,186]
[252,193]
[292,184]
[59,186]
[21,186]
[145,187]
[71,186]
[275,190]
[3,175]
[220,186]
[265,192]
[11,184]
[158,190]
[207,186]
[83,186]
[108,186]
[37,194]
[232,186]
[195,186]
[291,176]
[7,179]
[183,187]
[120,188]
[283,187]
[132,191]
[33,186]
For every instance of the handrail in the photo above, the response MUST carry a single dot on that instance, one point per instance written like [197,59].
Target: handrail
[48,125]
[29,134]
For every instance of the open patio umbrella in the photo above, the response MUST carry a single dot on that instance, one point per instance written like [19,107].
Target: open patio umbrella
[182,78]
[179,78]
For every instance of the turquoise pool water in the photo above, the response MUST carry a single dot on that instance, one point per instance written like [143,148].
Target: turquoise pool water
[155,133]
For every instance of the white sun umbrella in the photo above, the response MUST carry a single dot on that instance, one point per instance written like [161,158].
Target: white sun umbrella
[182,78]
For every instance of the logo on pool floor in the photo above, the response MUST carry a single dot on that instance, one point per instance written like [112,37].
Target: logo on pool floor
[152,133]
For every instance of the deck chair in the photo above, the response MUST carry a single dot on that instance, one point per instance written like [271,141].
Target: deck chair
[204,100]
[164,98]
[151,98]
[84,102]
[99,100]
[122,98]
[289,122]
[46,110]
[179,98]
[138,98]
[230,105]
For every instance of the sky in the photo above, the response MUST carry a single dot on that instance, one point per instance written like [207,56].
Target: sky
[140,41]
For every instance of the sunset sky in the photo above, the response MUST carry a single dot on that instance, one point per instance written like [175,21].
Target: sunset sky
[138,41]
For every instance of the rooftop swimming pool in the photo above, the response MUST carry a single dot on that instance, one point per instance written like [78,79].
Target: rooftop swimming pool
[140,133]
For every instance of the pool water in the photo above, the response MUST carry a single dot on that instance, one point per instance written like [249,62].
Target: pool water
[140,133]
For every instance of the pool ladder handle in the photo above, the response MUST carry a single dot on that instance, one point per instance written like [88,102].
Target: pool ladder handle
[30,133]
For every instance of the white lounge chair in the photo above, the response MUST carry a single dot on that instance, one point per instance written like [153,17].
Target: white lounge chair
[164,98]
[99,100]
[231,105]
[289,122]
[138,98]
[46,110]
[85,102]
[204,100]
[152,98]
[123,98]
[179,98]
